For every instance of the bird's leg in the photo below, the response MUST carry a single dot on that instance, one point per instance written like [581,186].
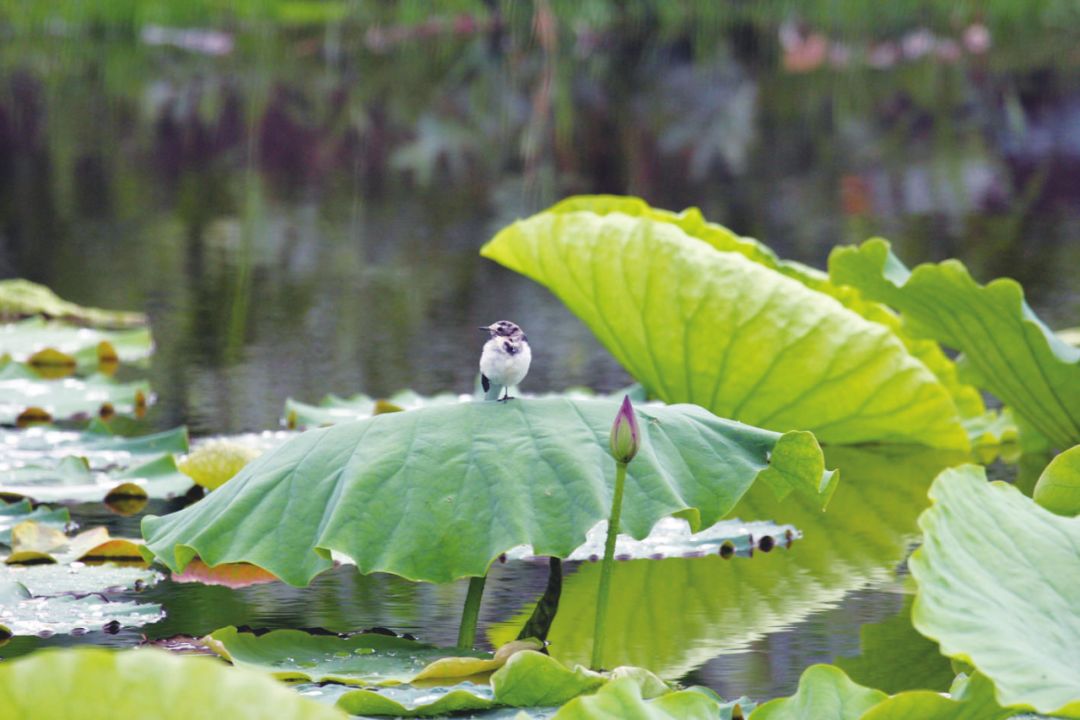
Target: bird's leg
[506,395]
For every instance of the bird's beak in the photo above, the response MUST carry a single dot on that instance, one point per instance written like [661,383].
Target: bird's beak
[486,328]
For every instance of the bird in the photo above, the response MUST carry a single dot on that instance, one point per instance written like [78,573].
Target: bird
[505,359]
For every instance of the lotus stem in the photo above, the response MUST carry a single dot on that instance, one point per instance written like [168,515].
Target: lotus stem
[606,567]
[470,614]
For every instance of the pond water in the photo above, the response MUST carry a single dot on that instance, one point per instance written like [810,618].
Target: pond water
[299,210]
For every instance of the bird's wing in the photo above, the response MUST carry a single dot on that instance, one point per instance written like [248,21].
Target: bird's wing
[484,382]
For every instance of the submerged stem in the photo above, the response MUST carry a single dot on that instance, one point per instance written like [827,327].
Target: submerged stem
[470,614]
[606,567]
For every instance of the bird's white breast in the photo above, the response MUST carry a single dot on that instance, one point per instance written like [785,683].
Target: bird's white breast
[503,368]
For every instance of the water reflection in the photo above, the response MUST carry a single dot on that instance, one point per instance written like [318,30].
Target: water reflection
[675,615]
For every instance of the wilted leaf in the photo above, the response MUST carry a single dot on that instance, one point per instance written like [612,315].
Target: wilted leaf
[365,659]
[695,324]
[1007,349]
[14,513]
[438,493]
[22,298]
[998,579]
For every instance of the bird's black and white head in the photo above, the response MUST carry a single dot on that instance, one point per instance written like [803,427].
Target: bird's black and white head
[505,329]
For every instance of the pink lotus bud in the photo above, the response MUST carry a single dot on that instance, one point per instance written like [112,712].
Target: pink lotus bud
[625,434]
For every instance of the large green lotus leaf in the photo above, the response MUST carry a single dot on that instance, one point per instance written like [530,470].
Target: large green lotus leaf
[365,659]
[12,514]
[694,324]
[22,298]
[23,340]
[21,388]
[101,449]
[72,481]
[895,657]
[437,493]
[622,699]
[693,223]
[687,604]
[99,684]
[1058,488]
[998,581]
[1007,349]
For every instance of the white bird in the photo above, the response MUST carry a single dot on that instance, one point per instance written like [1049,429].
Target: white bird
[505,360]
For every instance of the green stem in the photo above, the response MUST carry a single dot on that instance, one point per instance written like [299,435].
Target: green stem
[470,614]
[605,568]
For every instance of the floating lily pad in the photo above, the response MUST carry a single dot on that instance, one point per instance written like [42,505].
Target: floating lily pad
[46,345]
[969,699]
[410,701]
[72,480]
[435,494]
[715,328]
[40,446]
[213,463]
[22,298]
[11,514]
[1007,349]
[332,409]
[1058,488]
[78,578]
[144,683]
[998,580]
[26,395]
[368,658]
[66,613]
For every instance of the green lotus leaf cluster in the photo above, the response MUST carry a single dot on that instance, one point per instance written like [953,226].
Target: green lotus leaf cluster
[69,398]
[698,315]
[145,683]
[439,492]
[1007,349]
[826,693]
[998,577]
[405,678]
